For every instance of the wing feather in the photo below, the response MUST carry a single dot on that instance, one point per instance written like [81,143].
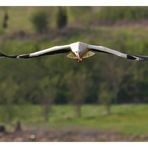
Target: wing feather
[117,53]
[49,51]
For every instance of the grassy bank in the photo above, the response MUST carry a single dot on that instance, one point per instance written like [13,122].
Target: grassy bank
[127,119]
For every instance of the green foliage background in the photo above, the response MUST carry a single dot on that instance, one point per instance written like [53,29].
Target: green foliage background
[29,81]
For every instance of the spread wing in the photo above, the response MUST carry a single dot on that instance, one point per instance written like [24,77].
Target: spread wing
[117,53]
[49,51]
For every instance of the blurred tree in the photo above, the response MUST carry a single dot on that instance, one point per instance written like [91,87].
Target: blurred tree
[112,75]
[106,95]
[111,15]
[62,19]
[5,20]
[40,22]
[80,16]
[8,91]
[48,86]
[79,84]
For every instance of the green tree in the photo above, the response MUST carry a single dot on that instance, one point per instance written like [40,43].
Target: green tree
[106,95]
[5,20]
[40,22]
[112,74]
[78,84]
[62,19]
[48,88]
[8,91]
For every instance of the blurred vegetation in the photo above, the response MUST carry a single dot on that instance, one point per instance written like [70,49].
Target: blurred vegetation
[61,18]
[115,14]
[57,80]
[126,119]
[40,22]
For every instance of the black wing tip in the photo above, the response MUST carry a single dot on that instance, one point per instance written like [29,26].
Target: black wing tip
[131,57]
[24,56]
[2,55]
[137,58]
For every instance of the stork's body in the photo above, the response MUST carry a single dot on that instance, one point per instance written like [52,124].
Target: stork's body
[79,50]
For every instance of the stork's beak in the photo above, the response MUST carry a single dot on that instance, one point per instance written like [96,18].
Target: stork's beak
[78,56]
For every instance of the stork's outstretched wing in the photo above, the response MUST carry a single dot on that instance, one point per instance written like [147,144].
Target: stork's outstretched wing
[117,53]
[49,51]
